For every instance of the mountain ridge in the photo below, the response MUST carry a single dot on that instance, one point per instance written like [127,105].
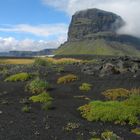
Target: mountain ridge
[94,31]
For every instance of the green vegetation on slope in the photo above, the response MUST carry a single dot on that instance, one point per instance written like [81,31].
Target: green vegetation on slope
[97,47]
[113,111]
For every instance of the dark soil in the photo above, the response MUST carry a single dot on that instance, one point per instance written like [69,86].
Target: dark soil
[50,125]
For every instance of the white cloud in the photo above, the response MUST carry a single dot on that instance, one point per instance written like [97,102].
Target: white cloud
[44,30]
[128,9]
[57,33]
[10,43]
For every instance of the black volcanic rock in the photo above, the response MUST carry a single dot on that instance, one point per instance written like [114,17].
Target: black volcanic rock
[92,21]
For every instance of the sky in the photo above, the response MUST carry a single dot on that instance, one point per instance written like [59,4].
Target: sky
[32,25]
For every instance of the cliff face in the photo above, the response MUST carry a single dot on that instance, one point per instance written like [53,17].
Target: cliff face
[86,24]
[93,31]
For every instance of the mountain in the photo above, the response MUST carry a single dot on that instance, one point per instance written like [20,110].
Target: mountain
[28,53]
[93,31]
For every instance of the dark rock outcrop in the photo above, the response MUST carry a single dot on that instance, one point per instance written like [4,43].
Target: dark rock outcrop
[92,21]
[114,66]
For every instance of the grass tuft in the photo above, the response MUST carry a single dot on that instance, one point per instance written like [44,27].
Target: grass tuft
[18,77]
[67,79]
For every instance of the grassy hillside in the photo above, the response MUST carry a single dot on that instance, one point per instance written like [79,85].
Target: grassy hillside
[97,47]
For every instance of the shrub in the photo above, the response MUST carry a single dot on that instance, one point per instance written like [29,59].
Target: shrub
[26,109]
[66,79]
[18,77]
[136,131]
[114,94]
[113,111]
[109,135]
[37,86]
[41,98]
[44,98]
[120,93]
[85,87]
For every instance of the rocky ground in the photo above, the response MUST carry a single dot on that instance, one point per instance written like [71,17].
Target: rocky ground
[63,121]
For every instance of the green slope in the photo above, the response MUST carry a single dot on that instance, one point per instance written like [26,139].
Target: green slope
[97,47]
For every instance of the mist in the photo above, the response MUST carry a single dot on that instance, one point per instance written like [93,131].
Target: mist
[128,9]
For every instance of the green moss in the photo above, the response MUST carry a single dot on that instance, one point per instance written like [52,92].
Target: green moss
[113,111]
[41,98]
[37,86]
[85,87]
[18,77]
[109,135]
[136,131]
[97,47]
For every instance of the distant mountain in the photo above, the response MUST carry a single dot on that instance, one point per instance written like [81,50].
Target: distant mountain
[28,53]
[93,31]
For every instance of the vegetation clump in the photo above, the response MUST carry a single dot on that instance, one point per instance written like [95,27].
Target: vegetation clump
[71,126]
[113,111]
[85,87]
[109,135]
[63,60]
[18,77]
[136,131]
[66,79]
[114,94]
[37,86]
[26,109]
[43,98]
[120,93]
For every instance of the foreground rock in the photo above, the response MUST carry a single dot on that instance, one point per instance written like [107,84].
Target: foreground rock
[120,65]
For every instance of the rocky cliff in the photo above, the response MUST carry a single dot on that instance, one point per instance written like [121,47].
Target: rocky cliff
[86,24]
[93,31]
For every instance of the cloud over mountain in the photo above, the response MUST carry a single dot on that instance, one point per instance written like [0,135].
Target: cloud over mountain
[128,9]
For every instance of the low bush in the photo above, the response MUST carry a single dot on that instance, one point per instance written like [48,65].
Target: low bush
[18,77]
[120,93]
[85,87]
[136,131]
[66,79]
[109,135]
[37,86]
[113,111]
[115,94]
[43,98]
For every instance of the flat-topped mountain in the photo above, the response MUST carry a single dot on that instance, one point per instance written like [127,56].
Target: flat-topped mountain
[85,24]
[94,31]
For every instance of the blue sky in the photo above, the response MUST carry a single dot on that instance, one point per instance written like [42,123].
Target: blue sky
[39,24]
[31,12]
